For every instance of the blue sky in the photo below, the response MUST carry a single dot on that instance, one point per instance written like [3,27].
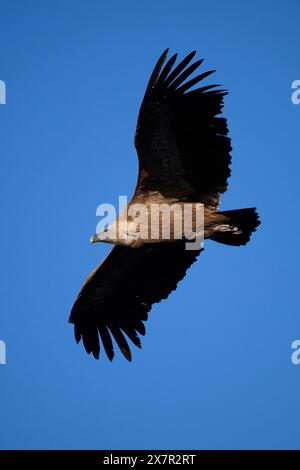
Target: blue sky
[221,375]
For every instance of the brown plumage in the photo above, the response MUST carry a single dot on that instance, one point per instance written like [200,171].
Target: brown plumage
[184,156]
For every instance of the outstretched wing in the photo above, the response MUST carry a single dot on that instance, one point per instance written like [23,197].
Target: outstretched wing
[181,140]
[116,298]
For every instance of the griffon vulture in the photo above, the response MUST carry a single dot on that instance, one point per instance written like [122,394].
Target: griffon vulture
[184,157]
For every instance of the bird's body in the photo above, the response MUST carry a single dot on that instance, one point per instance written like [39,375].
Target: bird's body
[164,220]
[184,157]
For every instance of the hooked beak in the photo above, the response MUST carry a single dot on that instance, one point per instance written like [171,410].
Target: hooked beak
[94,239]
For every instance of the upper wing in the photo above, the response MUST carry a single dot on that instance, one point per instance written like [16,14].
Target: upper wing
[118,295]
[182,145]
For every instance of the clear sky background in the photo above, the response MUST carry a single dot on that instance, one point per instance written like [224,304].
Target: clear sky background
[215,370]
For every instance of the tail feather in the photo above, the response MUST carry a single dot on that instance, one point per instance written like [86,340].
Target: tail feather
[239,227]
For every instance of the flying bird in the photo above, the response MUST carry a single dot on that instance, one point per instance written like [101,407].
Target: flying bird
[184,157]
